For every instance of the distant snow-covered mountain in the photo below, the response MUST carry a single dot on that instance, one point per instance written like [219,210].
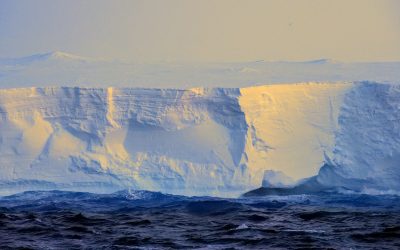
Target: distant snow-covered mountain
[50,56]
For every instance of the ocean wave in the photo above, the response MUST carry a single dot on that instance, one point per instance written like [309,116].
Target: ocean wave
[151,220]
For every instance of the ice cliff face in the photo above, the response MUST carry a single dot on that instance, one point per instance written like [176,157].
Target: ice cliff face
[366,155]
[178,141]
[200,141]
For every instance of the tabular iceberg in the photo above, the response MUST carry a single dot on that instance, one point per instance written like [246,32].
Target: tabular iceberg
[199,141]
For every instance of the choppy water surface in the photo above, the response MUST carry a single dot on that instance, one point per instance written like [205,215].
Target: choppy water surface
[145,220]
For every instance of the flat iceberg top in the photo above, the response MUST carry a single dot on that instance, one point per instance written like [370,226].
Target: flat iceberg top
[63,69]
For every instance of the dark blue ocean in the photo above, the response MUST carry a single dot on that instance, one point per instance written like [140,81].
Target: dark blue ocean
[148,220]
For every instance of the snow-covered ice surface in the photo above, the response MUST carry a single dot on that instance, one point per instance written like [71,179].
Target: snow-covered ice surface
[63,69]
[217,139]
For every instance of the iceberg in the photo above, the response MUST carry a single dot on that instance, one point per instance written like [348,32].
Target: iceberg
[217,141]
[199,141]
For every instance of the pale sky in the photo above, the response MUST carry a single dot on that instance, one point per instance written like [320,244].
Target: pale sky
[204,30]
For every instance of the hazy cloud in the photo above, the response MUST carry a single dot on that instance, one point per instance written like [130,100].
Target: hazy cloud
[204,30]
